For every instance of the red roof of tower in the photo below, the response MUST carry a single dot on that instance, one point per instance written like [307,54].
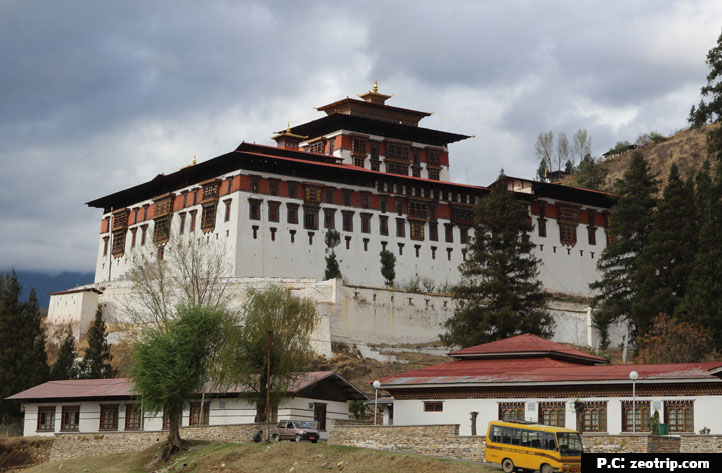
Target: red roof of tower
[525,346]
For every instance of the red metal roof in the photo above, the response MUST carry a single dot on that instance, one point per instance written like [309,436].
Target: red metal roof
[123,387]
[546,371]
[526,345]
[79,388]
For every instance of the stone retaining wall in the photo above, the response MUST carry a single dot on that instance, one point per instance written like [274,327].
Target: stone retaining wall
[67,445]
[700,444]
[435,440]
[630,443]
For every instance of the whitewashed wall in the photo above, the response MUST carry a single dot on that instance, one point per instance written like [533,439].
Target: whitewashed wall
[223,411]
[458,411]
[369,315]
[74,309]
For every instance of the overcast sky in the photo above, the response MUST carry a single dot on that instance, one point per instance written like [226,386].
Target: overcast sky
[98,96]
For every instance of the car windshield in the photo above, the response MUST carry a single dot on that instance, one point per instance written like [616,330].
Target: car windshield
[569,443]
[303,425]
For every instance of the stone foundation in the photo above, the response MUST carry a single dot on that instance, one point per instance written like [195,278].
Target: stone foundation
[434,440]
[67,446]
[629,443]
[700,444]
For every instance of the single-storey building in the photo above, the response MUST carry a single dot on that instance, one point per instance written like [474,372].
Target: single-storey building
[107,405]
[527,377]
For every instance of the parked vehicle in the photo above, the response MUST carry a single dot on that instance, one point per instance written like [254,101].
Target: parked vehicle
[533,447]
[295,430]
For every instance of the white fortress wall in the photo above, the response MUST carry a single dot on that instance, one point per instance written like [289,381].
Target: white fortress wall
[358,314]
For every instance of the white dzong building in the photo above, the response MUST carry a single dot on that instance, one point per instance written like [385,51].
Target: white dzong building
[368,170]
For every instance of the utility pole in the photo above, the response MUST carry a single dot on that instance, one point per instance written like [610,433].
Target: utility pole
[268,385]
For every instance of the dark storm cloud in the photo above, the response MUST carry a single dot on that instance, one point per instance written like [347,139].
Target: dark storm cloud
[98,96]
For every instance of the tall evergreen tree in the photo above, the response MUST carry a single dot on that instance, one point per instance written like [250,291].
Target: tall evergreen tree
[590,174]
[23,360]
[702,303]
[96,361]
[499,294]
[631,221]
[333,239]
[65,366]
[709,109]
[388,264]
[666,260]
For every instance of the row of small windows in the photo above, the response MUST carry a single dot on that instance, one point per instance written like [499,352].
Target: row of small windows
[108,418]
[273,232]
[311,221]
[162,228]
[679,415]
[398,156]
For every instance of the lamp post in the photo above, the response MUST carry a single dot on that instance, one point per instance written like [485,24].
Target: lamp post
[633,375]
[376,385]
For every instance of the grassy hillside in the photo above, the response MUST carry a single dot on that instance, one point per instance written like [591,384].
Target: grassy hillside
[687,149]
[293,457]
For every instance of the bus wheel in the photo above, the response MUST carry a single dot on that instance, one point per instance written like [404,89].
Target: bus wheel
[508,466]
[546,468]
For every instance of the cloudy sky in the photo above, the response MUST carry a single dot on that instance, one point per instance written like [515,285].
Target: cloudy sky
[99,96]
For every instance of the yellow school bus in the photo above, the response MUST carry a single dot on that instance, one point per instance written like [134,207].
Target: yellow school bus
[533,447]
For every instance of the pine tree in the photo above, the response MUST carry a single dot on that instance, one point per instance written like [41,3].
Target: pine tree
[65,366]
[631,220]
[388,263]
[702,303]
[23,360]
[333,238]
[590,174]
[499,294]
[96,362]
[665,262]
[709,109]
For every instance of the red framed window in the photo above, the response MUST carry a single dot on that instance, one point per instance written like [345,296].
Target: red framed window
[70,419]
[108,417]
[46,419]
[132,417]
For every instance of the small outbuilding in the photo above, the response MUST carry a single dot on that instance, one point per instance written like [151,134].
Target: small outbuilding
[108,405]
[530,378]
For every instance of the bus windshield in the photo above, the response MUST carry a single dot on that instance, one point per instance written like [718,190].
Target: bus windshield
[569,443]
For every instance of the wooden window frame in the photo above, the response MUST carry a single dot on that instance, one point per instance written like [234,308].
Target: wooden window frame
[589,423]
[254,209]
[347,220]
[274,211]
[511,411]
[416,231]
[433,406]
[365,223]
[195,419]
[208,217]
[384,225]
[133,417]
[111,409]
[70,419]
[329,218]
[48,425]
[552,413]
[687,410]
[292,213]
[642,409]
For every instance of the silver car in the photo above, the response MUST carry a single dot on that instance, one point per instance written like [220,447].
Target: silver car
[296,430]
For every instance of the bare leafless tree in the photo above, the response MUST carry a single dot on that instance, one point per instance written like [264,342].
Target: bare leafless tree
[190,272]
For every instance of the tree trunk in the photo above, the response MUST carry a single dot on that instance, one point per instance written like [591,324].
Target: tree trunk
[175,443]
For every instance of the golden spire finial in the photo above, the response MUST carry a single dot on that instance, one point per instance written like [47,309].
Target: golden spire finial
[376,86]
[194,159]
[288,127]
